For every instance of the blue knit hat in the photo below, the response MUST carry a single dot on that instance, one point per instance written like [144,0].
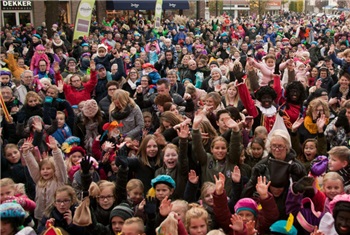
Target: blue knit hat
[163,179]
[37,36]
[11,210]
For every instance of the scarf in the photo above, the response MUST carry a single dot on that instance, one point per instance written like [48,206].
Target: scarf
[132,84]
[91,131]
[121,114]
[310,126]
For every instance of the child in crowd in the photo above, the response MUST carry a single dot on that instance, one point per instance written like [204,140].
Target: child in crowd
[48,175]
[12,218]
[12,167]
[5,79]
[175,161]
[246,209]
[73,161]
[134,189]
[148,127]
[219,160]
[266,68]
[133,225]
[11,192]
[197,220]
[39,55]
[339,158]
[61,212]
[255,151]
[63,130]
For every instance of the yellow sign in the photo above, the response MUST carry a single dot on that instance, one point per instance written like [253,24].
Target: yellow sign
[158,13]
[83,20]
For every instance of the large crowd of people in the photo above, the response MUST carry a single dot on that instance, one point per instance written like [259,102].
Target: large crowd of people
[220,126]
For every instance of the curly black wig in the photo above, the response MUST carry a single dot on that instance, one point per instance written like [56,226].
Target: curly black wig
[265,90]
[298,86]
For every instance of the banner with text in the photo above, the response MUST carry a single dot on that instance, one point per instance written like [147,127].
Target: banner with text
[83,20]
[158,13]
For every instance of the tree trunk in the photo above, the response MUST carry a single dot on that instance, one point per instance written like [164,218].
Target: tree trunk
[52,15]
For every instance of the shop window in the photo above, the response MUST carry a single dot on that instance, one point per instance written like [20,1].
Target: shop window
[24,17]
[10,18]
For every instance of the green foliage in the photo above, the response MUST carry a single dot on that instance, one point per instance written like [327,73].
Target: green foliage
[215,7]
[296,5]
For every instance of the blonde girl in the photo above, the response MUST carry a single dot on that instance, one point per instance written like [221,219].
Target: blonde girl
[231,97]
[197,220]
[134,190]
[73,161]
[9,191]
[333,185]
[48,175]
[60,213]
[175,162]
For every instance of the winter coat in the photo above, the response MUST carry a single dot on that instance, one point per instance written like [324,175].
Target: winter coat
[180,172]
[266,217]
[45,195]
[75,95]
[132,124]
[209,165]
[60,222]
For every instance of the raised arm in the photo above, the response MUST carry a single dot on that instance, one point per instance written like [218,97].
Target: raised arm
[32,164]
[198,150]
[61,171]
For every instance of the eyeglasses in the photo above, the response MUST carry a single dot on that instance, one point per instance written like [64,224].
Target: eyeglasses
[319,110]
[108,197]
[277,147]
[59,202]
[133,72]
[28,76]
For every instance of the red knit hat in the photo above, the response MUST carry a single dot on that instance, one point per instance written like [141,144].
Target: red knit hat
[77,149]
[147,65]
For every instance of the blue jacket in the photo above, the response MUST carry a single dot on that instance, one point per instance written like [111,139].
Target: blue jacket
[61,134]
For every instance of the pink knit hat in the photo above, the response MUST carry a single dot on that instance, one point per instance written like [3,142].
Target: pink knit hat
[90,108]
[247,204]
[40,48]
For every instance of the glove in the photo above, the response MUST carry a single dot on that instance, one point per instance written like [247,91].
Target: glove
[297,170]
[151,206]
[85,164]
[303,184]
[239,76]
[53,113]
[121,159]
[21,116]
[59,100]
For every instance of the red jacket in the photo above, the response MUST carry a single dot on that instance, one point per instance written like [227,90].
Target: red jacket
[266,217]
[75,95]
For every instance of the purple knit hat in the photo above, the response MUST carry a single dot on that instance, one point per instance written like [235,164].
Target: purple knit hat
[247,204]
